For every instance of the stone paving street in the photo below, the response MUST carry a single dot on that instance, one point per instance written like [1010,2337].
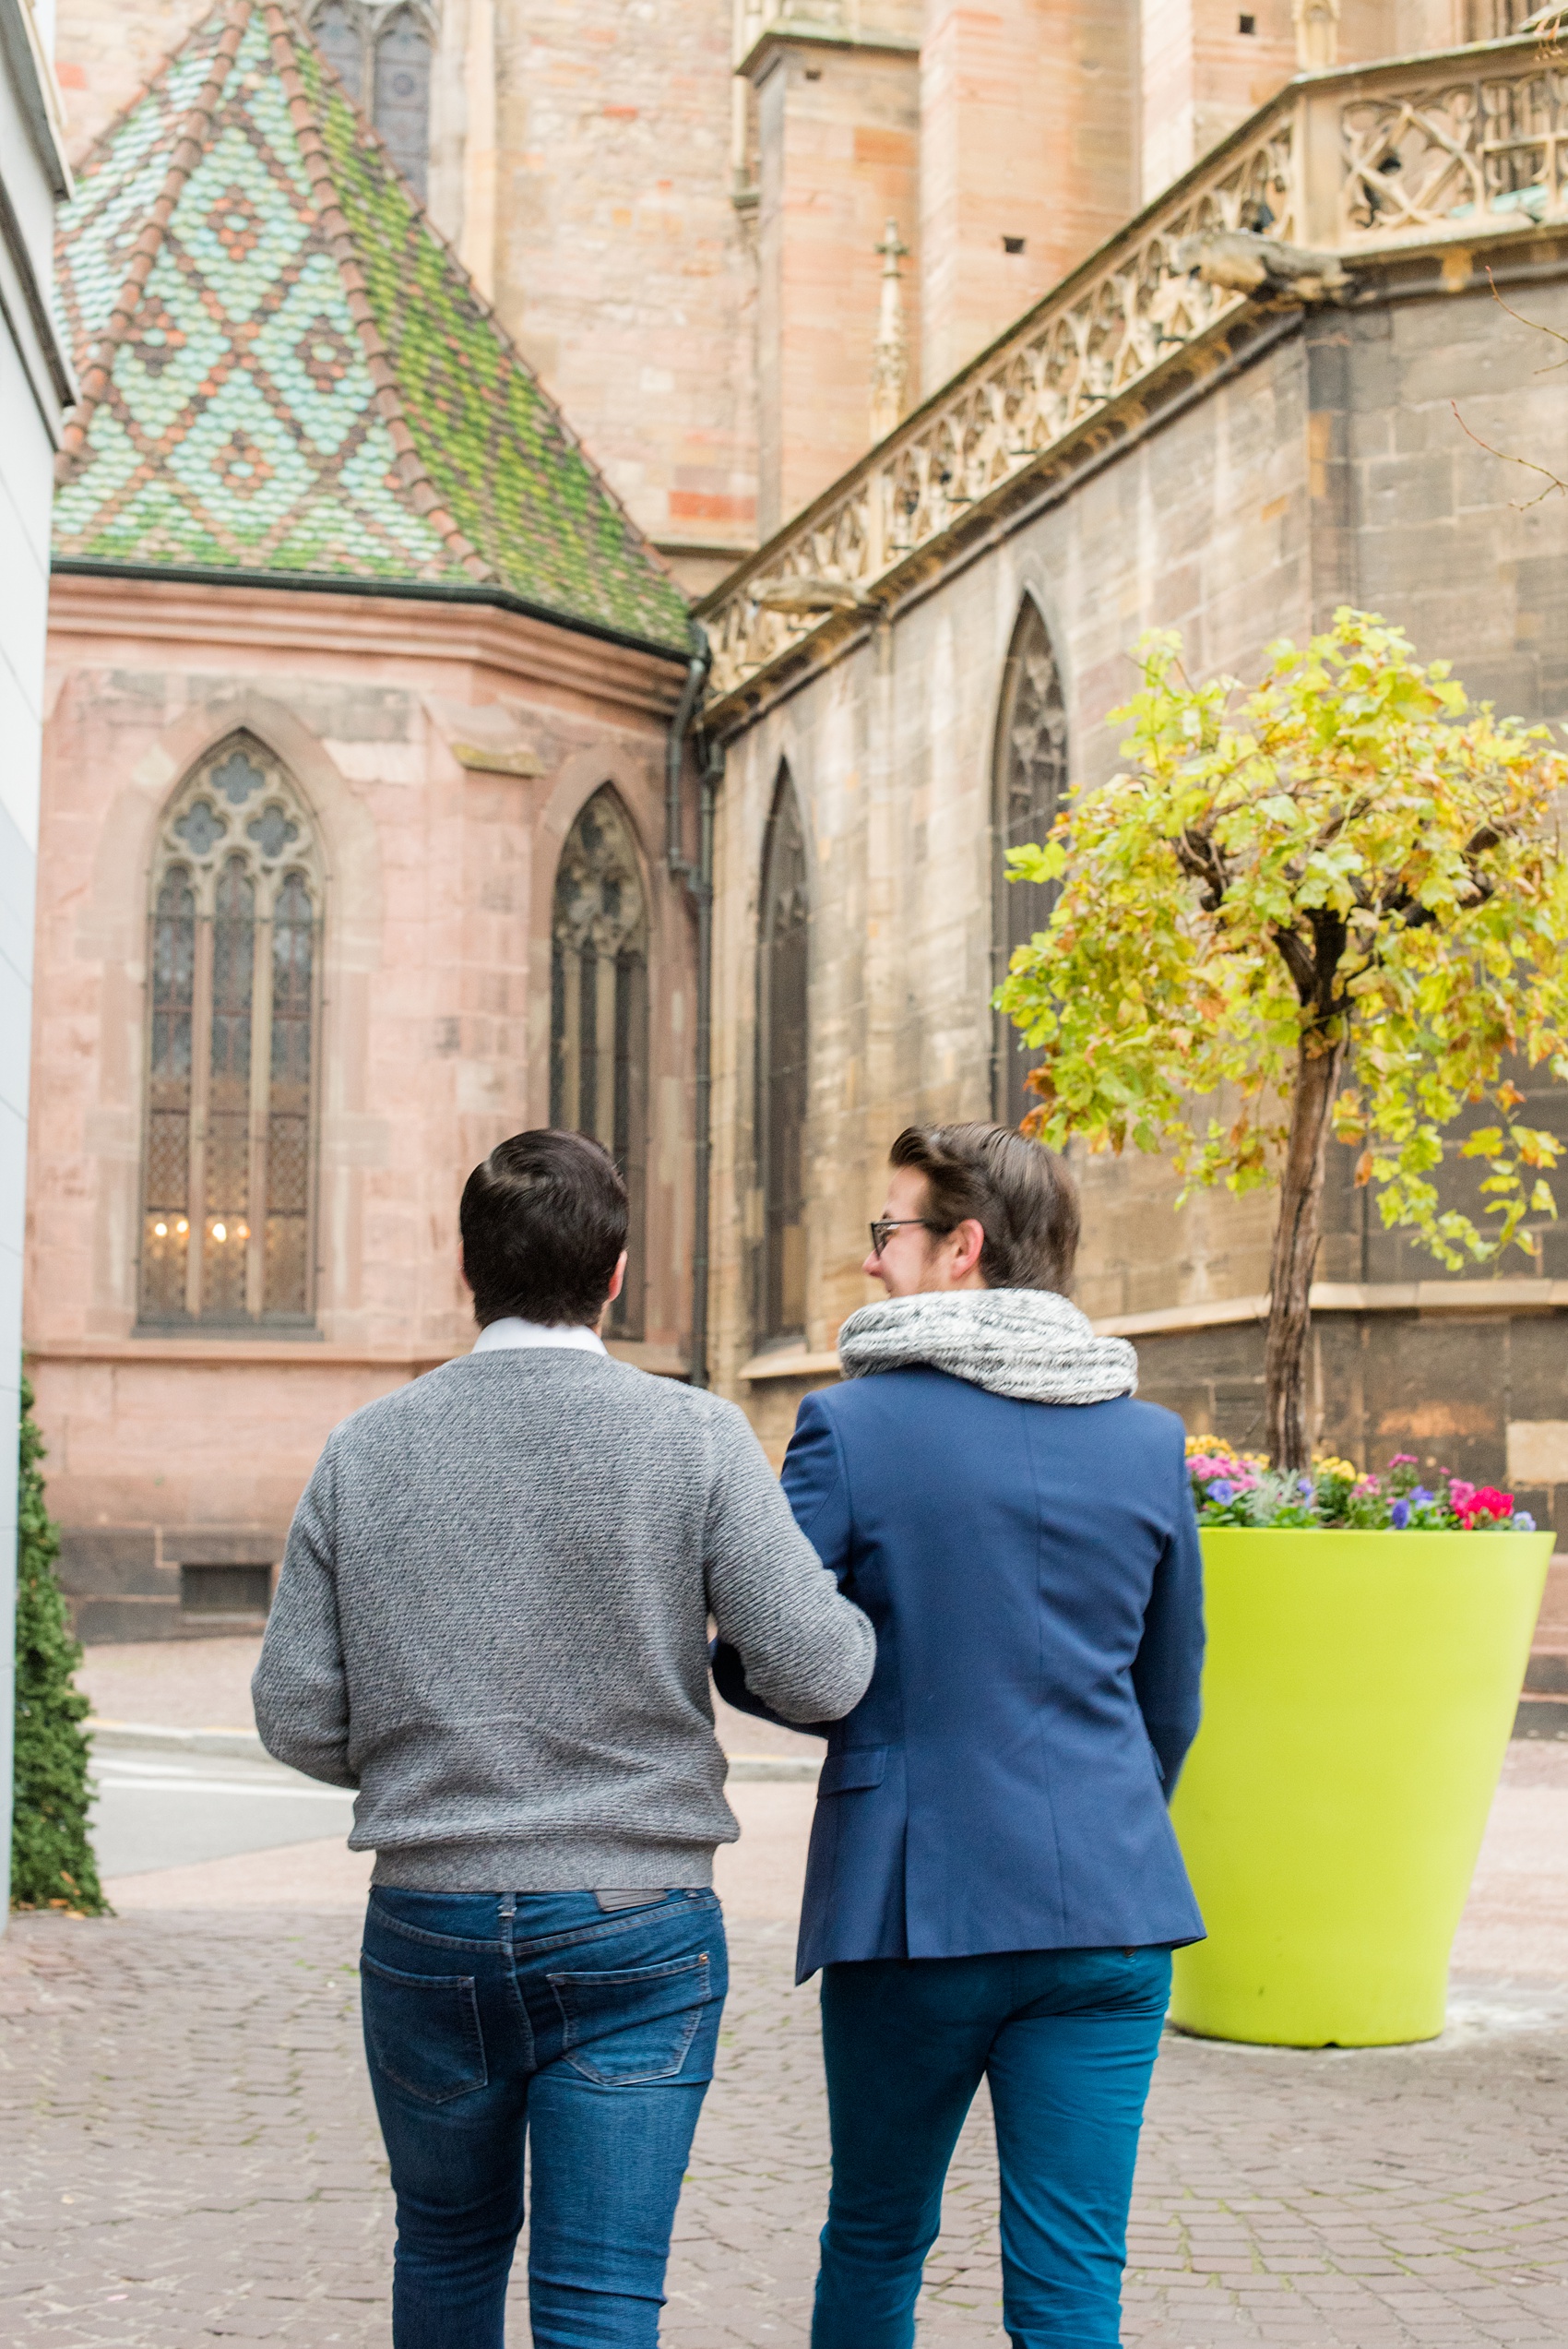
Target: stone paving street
[191,2156]
[189,2151]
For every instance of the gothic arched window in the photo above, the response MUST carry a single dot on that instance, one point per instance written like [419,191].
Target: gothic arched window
[232,1058]
[599,1013]
[783,942]
[381,52]
[1029,786]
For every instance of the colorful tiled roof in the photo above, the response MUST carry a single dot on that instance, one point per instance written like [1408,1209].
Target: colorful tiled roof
[284,369]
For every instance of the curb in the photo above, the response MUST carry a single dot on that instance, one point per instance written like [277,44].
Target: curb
[154,1737]
[754,1769]
[151,1737]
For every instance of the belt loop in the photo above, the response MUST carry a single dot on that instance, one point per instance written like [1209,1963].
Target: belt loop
[508,1912]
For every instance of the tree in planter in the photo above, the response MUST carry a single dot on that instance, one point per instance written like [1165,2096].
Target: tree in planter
[52,1861]
[1338,901]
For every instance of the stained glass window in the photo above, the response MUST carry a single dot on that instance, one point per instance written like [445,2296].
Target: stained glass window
[599,1013]
[340,38]
[381,52]
[1030,788]
[782,972]
[234,955]
[401,112]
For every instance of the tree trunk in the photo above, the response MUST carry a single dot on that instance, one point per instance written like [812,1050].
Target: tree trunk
[1295,1253]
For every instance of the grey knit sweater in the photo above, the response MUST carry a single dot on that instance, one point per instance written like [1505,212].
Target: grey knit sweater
[493,1620]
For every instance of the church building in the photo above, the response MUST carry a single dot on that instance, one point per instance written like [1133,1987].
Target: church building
[354,837]
[1301,378]
[933,354]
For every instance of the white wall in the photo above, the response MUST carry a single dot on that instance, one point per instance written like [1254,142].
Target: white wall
[34,381]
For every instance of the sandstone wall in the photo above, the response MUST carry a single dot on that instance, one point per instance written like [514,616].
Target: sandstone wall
[839,150]
[621,262]
[1026,159]
[107,51]
[435,1036]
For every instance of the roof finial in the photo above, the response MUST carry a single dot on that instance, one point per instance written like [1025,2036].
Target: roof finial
[1317,33]
[889,357]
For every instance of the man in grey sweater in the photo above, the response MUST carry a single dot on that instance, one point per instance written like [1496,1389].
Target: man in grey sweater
[493,1622]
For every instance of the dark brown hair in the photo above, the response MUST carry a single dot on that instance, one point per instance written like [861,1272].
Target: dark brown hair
[1019,1193]
[543,1221]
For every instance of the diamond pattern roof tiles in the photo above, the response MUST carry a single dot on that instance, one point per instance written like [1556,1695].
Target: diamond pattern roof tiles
[285,369]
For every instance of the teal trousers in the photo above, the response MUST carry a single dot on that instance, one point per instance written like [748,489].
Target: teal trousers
[1067,2040]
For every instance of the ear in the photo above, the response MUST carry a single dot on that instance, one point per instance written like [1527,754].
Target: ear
[969,1246]
[617,1278]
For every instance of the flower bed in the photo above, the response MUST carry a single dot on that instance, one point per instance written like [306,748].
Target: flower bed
[1240,1489]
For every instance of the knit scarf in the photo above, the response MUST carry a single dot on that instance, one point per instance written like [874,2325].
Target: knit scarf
[1030,1343]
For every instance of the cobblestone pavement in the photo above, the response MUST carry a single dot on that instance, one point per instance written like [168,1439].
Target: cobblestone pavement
[190,2155]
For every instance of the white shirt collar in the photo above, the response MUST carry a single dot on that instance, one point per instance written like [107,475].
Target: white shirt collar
[513,1331]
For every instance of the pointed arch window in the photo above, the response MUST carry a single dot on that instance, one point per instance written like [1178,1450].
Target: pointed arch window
[381,52]
[782,1050]
[1030,788]
[599,1013]
[233,986]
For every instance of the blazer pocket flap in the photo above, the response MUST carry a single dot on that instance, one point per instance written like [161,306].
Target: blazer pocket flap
[862,1766]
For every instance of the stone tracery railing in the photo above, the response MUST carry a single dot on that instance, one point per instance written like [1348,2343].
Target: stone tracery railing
[1469,144]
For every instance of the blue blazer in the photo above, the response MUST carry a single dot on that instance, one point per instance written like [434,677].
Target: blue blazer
[1034,1576]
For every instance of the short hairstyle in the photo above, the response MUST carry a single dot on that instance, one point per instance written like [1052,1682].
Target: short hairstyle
[1019,1193]
[543,1221]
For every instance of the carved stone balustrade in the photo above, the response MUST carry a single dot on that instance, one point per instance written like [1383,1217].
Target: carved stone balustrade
[1341,169]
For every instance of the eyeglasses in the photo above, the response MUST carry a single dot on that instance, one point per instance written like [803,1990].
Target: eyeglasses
[890,1223]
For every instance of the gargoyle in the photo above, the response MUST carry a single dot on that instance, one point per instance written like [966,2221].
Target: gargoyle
[1244,262]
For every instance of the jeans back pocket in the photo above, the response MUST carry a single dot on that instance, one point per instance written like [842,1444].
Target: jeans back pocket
[636,2023]
[423,2030]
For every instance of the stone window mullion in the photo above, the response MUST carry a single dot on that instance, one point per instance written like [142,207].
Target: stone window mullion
[201,1075]
[260,1104]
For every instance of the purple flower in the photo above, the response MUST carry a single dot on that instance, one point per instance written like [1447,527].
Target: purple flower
[1222,1490]
[1522,1523]
[1421,1498]
[1400,1515]
[1305,1486]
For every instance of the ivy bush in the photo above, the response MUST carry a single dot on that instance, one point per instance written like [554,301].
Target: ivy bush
[51,1860]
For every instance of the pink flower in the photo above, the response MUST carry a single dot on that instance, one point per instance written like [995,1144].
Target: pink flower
[1490,1502]
[1212,1464]
[1460,1495]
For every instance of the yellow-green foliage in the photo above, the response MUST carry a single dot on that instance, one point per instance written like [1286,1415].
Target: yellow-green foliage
[1352,851]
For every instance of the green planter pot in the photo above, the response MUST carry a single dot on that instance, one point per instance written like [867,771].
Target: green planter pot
[1358,1695]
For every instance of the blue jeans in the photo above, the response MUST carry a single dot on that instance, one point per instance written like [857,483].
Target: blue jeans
[492,2017]
[1067,2039]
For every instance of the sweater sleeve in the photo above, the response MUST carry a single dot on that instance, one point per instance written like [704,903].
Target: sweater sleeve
[1168,1669]
[300,1690]
[802,1648]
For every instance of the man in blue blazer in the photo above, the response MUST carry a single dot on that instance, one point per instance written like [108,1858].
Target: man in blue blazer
[994,1887]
